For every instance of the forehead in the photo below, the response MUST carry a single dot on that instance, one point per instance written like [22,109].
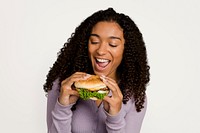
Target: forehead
[107,28]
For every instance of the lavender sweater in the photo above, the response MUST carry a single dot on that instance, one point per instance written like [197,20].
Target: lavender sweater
[88,118]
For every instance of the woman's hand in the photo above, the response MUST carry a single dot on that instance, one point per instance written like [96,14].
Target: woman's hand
[112,104]
[67,94]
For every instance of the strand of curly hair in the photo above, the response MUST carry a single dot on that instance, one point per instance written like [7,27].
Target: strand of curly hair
[133,70]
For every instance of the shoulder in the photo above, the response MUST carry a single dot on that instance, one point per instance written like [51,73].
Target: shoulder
[55,87]
[130,105]
[56,84]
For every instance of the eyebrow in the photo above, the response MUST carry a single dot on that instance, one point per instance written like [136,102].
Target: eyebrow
[111,37]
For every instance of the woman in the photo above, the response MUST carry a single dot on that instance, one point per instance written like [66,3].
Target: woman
[108,44]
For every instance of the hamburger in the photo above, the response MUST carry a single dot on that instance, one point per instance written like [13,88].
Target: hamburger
[91,88]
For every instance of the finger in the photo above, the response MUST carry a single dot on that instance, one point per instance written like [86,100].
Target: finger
[112,85]
[75,77]
[73,92]
[108,99]
[108,81]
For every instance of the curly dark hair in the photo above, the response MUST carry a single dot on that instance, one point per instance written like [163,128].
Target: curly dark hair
[133,70]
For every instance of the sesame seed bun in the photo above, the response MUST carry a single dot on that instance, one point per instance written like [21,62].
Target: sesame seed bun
[93,83]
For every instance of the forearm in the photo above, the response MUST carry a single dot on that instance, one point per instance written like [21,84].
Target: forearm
[128,120]
[58,116]
[115,124]
[61,119]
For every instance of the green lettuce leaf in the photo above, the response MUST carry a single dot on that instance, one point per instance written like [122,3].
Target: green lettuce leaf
[85,94]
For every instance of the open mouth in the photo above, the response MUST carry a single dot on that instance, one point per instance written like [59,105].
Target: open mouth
[102,63]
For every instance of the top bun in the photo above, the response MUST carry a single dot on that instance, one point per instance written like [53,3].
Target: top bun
[93,83]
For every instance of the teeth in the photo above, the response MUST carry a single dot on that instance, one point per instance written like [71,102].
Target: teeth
[102,60]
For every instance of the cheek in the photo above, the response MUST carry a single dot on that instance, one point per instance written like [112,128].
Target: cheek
[119,53]
[119,58]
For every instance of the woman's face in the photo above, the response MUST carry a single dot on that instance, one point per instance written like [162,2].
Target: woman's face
[105,47]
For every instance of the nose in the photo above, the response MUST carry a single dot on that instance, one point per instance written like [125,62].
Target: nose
[102,48]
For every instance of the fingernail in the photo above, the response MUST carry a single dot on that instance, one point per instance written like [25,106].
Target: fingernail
[103,76]
[87,76]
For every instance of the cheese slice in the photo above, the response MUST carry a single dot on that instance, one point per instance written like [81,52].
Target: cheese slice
[100,91]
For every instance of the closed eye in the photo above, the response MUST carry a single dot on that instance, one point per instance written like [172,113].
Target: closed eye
[94,42]
[112,45]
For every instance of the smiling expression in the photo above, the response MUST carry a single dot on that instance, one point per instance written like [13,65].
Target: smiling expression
[105,48]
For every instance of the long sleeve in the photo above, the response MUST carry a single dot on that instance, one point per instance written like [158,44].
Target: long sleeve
[128,120]
[58,116]
[115,124]
[60,119]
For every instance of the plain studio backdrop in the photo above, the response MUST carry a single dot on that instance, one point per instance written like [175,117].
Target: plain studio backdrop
[33,31]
